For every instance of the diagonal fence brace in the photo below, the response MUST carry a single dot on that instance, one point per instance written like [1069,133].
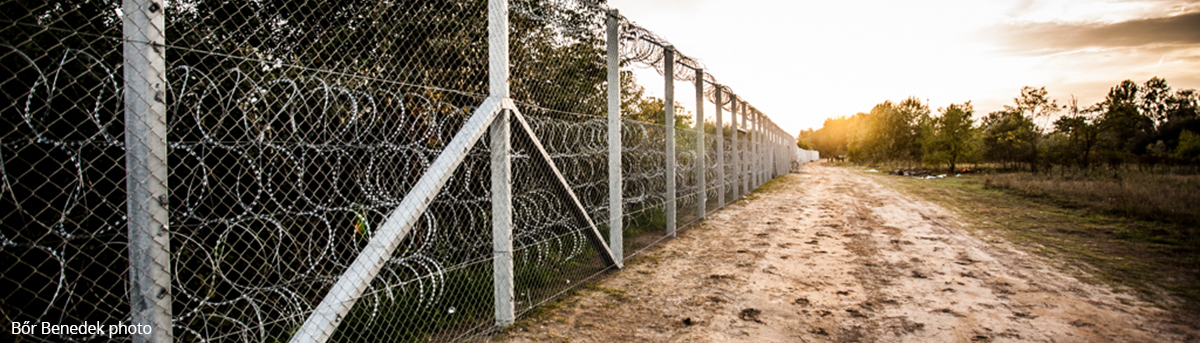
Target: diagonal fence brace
[325,318]
[593,234]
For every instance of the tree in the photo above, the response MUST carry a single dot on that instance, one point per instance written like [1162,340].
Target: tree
[1183,106]
[1009,137]
[632,93]
[904,129]
[831,139]
[1034,104]
[1189,146]
[1181,114]
[1153,99]
[949,138]
[862,137]
[804,139]
[1126,130]
[889,132]
[650,110]
[1082,132]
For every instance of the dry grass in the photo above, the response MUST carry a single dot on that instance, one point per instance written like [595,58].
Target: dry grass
[1157,197]
[1101,230]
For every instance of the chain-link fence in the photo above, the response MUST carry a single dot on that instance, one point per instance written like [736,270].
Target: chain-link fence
[351,170]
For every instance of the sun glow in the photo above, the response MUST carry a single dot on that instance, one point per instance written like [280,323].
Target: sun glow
[802,62]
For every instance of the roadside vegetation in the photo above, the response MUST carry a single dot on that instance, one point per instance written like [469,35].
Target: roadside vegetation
[1110,191]
[1158,197]
[1074,228]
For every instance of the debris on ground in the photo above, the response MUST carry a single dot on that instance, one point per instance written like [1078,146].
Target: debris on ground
[909,172]
[750,315]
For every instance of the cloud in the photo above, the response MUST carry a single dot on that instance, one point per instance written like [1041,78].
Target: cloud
[1021,7]
[1178,30]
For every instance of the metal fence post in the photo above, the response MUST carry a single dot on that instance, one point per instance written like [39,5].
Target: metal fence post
[736,140]
[755,143]
[769,153]
[758,142]
[145,70]
[502,260]
[782,151]
[616,211]
[501,163]
[778,150]
[749,149]
[758,149]
[701,154]
[744,163]
[768,144]
[720,149]
[784,160]
[669,113]
[752,140]
[764,150]
[773,150]
[750,144]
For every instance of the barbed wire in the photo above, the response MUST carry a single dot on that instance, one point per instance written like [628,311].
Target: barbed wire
[294,129]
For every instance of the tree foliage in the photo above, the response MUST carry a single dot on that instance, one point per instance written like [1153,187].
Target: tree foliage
[804,140]
[832,139]
[889,132]
[949,138]
[1144,124]
[1009,137]
[1081,132]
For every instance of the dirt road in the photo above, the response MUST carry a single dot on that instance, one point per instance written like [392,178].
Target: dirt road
[830,255]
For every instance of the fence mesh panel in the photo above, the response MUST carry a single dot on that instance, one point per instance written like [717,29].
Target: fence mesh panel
[643,173]
[63,223]
[213,169]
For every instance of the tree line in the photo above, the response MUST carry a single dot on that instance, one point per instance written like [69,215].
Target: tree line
[1144,125]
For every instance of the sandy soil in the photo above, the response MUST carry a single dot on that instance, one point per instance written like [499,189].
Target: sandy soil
[830,255]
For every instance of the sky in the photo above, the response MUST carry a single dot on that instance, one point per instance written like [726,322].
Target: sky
[800,62]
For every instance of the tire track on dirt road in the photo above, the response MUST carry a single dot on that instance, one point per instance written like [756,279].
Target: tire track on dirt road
[830,255]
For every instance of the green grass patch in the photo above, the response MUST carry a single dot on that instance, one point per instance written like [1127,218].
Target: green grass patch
[771,186]
[651,258]
[615,293]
